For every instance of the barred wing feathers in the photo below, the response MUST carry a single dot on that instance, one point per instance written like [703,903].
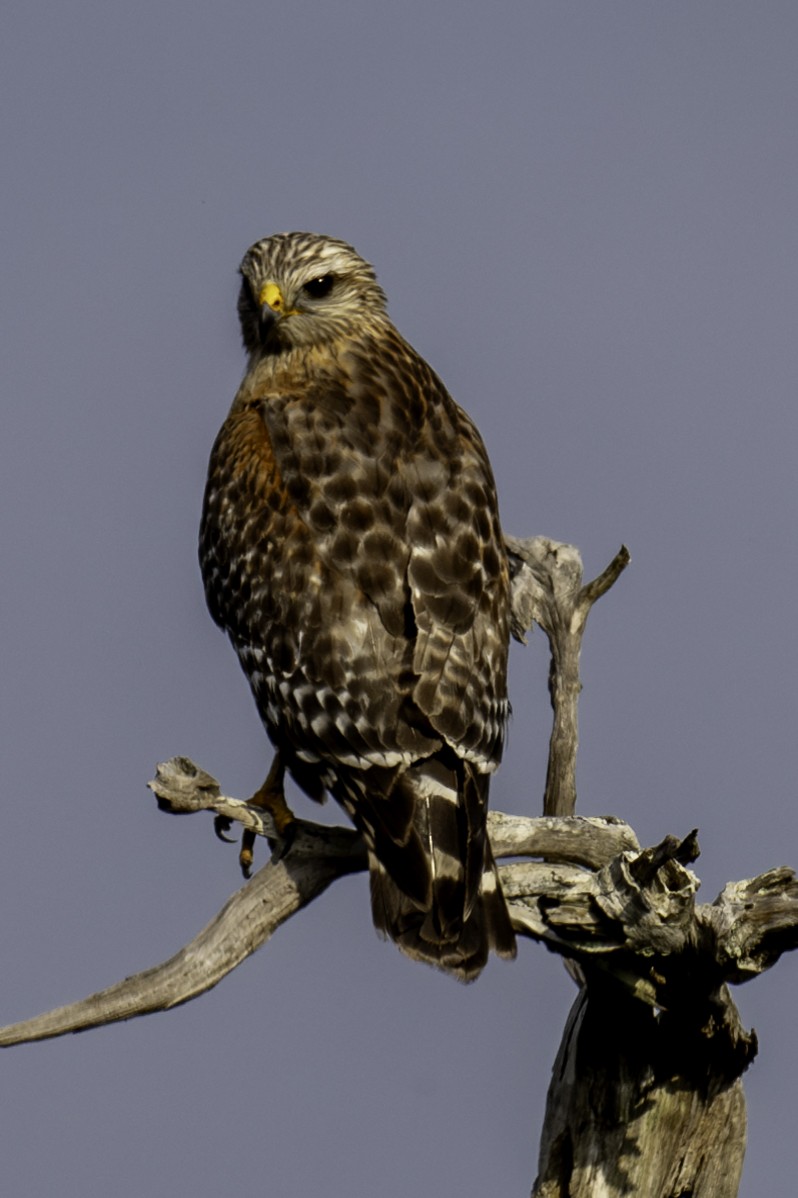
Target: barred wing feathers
[351,549]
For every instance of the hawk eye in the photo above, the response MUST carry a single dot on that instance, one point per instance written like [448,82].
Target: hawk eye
[317,288]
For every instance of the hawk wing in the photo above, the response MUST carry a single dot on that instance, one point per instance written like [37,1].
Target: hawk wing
[393,483]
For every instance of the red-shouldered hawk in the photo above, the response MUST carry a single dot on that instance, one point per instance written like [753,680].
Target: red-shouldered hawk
[351,549]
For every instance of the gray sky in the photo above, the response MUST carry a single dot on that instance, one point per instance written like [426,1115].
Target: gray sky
[584,216]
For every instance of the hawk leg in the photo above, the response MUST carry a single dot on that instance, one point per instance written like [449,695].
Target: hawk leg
[270,797]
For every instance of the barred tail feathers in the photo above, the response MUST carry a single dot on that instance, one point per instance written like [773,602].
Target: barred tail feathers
[435,888]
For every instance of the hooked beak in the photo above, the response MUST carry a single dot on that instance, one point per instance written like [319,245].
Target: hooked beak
[272,303]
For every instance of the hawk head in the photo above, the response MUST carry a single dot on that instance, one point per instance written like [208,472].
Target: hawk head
[302,289]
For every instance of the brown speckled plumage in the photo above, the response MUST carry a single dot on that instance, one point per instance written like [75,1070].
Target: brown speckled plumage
[351,549]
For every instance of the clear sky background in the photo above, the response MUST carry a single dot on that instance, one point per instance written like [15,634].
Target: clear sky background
[584,216]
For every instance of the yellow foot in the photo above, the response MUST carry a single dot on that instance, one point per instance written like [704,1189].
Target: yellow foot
[271,797]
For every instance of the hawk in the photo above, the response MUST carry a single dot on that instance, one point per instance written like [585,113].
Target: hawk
[351,549]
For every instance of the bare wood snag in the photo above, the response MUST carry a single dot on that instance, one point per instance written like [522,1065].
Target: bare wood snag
[646,1096]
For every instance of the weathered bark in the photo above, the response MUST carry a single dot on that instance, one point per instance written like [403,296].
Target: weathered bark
[644,1102]
[548,590]
[646,1097]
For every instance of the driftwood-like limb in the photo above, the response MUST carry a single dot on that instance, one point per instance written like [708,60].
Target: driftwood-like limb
[319,855]
[577,840]
[646,1097]
[548,590]
[591,895]
[752,923]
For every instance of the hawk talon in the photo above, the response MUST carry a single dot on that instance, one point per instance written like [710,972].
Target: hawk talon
[246,854]
[271,798]
[280,846]
[222,824]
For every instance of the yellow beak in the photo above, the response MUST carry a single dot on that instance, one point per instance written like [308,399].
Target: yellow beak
[271,296]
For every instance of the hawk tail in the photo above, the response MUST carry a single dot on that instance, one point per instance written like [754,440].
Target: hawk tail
[436,891]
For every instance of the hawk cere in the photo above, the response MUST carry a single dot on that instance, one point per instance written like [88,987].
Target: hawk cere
[351,549]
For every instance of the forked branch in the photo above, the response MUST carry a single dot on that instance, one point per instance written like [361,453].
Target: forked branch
[548,590]
[646,1095]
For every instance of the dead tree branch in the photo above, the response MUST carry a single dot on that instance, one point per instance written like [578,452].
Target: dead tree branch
[548,590]
[318,856]
[586,890]
[646,1096]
